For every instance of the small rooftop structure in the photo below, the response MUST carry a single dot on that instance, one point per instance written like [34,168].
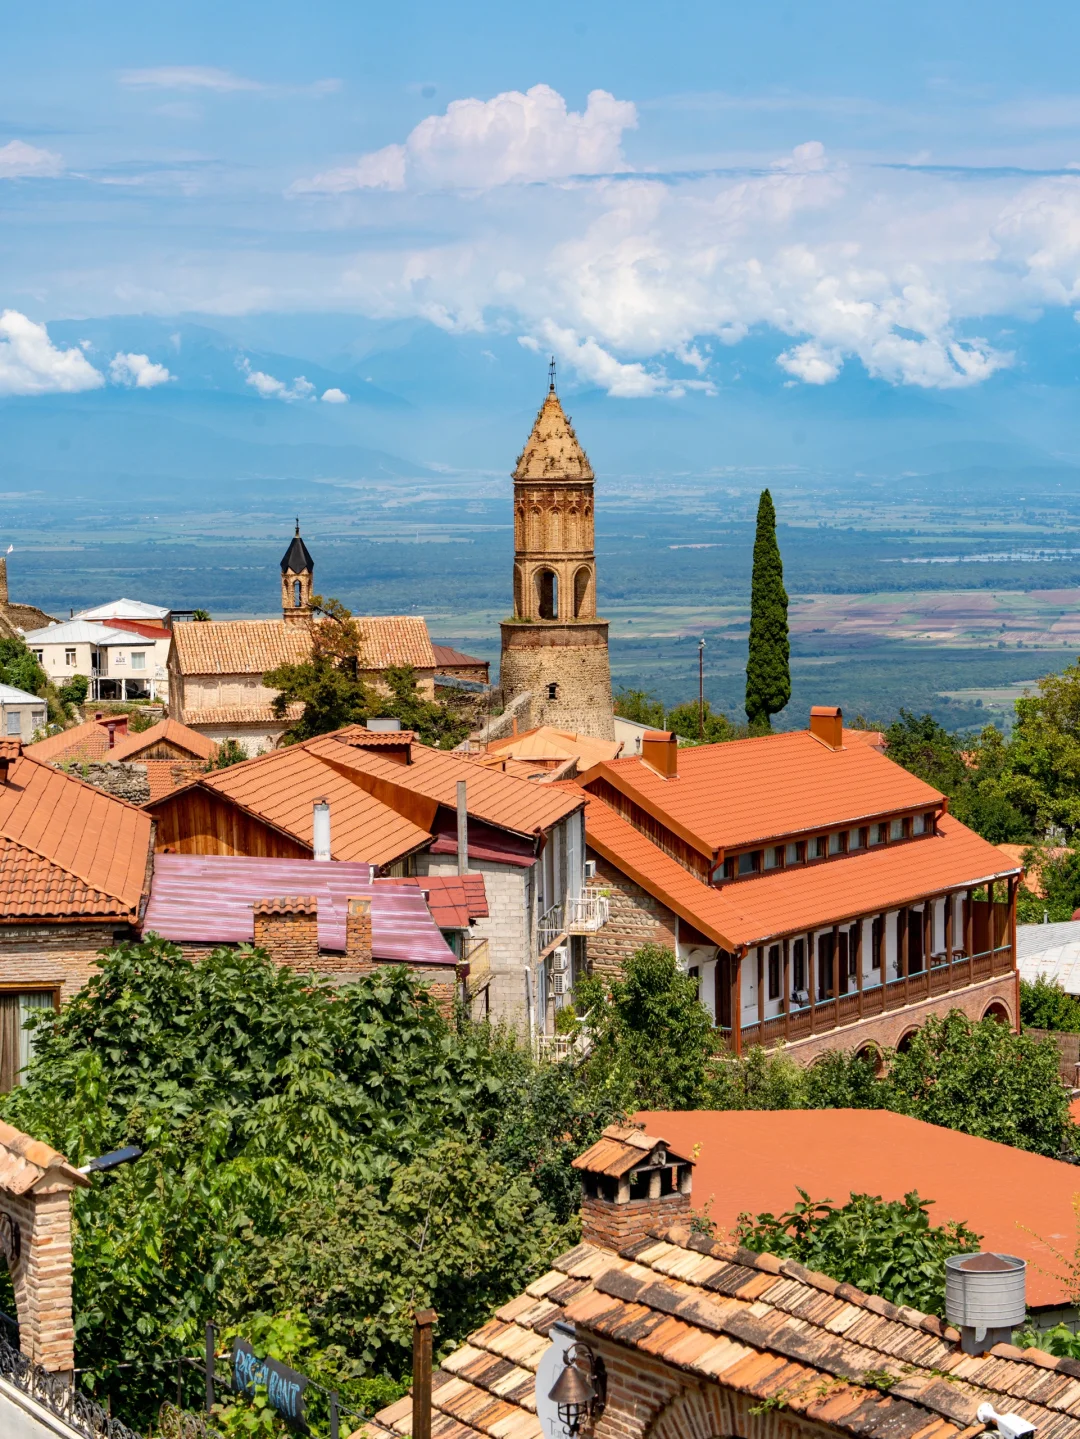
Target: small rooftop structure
[624,1147]
[124,609]
[1051,951]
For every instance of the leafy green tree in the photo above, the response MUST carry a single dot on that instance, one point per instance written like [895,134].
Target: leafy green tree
[652,1039]
[74,691]
[927,749]
[641,707]
[984,1080]
[1059,877]
[1045,1005]
[684,720]
[768,668]
[230,752]
[886,1247]
[434,722]
[201,616]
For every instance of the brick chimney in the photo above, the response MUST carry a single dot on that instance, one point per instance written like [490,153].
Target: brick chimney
[288,929]
[632,1184]
[660,751]
[35,1238]
[827,725]
[358,941]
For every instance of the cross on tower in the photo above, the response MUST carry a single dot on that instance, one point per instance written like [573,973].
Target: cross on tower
[551,376]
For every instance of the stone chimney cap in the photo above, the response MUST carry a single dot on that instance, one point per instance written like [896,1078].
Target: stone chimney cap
[25,1163]
[623,1147]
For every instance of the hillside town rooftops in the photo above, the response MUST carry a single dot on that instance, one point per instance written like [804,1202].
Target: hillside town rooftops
[86,632]
[755,790]
[547,743]
[757,1160]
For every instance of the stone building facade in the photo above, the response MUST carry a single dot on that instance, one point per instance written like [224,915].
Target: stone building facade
[554,647]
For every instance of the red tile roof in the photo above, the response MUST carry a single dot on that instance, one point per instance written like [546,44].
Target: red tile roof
[242,714]
[756,1160]
[82,744]
[233,647]
[755,790]
[165,775]
[448,657]
[454,900]
[166,731]
[68,850]
[137,627]
[787,901]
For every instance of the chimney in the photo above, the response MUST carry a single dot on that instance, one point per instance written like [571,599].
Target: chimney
[423,1320]
[116,725]
[358,936]
[288,929]
[320,829]
[10,750]
[632,1185]
[827,725]
[35,1239]
[660,751]
[462,828]
[985,1298]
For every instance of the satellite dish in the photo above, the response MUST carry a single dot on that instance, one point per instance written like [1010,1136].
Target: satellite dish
[548,1370]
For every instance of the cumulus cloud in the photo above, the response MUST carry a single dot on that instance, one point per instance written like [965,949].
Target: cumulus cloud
[30,364]
[138,372]
[272,389]
[334,396]
[478,144]
[18,159]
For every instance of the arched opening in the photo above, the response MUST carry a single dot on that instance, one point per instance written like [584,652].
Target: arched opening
[906,1041]
[553,691]
[871,1055]
[519,598]
[297,594]
[581,593]
[547,594]
[997,1012]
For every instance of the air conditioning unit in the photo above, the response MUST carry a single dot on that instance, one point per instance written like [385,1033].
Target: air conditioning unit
[590,869]
[558,983]
[560,960]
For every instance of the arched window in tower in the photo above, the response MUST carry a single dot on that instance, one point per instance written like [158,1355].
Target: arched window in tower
[581,593]
[519,598]
[297,594]
[547,594]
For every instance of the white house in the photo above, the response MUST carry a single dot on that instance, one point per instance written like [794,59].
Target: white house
[21,714]
[120,664]
[122,609]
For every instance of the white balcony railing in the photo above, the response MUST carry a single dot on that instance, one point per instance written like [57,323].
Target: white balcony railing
[587,913]
[551,927]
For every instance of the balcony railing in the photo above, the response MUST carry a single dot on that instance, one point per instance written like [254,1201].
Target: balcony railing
[584,914]
[824,1015]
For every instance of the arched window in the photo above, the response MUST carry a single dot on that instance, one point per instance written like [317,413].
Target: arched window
[553,691]
[297,594]
[581,593]
[547,594]
[519,605]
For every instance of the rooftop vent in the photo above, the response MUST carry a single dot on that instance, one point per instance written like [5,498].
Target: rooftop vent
[660,750]
[827,725]
[984,1298]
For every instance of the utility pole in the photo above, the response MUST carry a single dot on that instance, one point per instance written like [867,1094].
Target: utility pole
[701,688]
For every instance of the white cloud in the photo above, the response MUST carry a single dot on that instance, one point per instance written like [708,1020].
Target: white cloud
[271,389]
[334,396]
[137,371]
[30,364]
[221,82]
[19,160]
[478,144]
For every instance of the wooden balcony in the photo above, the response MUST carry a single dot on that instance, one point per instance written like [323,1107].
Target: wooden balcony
[943,977]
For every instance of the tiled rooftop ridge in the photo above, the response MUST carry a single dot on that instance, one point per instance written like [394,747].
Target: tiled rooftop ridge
[287,904]
[760,1325]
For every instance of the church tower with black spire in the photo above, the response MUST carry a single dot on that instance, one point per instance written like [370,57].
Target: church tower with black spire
[554,646]
[297,577]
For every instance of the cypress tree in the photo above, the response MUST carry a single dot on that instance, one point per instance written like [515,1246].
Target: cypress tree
[768,669]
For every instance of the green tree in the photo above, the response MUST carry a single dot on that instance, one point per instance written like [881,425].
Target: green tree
[927,749]
[886,1247]
[641,707]
[1045,1005]
[652,1039]
[74,691]
[683,719]
[768,668]
[230,752]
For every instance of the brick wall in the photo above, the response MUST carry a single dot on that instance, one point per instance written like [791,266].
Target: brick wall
[614,1226]
[636,919]
[288,929]
[55,956]
[41,1277]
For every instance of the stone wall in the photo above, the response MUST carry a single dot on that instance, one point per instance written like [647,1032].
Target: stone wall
[636,919]
[125,781]
[574,658]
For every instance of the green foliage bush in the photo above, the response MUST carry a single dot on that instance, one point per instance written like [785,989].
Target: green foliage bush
[886,1247]
[1045,1005]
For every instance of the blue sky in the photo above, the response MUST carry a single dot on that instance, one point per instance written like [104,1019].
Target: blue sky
[888,190]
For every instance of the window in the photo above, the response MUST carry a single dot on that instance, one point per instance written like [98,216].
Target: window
[836,843]
[553,691]
[856,839]
[37,718]
[69,657]
[896,829]
[926,823]
[14,722]
[793,854]
[798,967]
[39,655]
[774,971]
[817,847]
[297,595]
[17,1043]
[750,863]
[774,858]
[138,659]
[731,867]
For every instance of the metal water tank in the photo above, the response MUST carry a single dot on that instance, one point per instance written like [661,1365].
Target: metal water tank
[985,1291]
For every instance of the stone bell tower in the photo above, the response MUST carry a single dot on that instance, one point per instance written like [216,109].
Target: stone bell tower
[554,647]
[297,576]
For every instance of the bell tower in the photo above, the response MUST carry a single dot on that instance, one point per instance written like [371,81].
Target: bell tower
[554,646]
[297,576]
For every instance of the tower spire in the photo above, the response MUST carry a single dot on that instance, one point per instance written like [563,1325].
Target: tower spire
[551,376]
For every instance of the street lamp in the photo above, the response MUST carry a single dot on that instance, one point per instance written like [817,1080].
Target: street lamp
[579,1389]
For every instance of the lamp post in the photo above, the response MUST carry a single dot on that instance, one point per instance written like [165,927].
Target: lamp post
[701,688]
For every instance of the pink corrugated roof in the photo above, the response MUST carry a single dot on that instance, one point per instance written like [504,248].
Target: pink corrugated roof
[207,900]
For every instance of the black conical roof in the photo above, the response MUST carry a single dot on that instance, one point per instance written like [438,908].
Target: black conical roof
[296,557]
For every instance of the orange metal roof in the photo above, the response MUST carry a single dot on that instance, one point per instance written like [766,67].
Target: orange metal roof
[82,743]
[169,731]
[753,790]
[749,911]
[68,849]
[753,1160]
[499,799]
[447,655]
[547,743]
[231,647]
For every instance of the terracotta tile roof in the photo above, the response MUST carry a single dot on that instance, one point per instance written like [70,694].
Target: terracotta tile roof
[454,900]
[281,787]
[552,450]
[68,849]
[242,714]
[499,799]
[788,901]
[619,1149]
[548,743]
[763,1327]
[81,744]
[236,647]
[165,775]
[446,655]
[363,738]
[25,1162]
[751,790]
[134,627]
[755,1160]
[166,731]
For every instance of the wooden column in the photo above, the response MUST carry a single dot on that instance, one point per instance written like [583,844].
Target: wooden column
[836,972]
[1011,931]
[761,992]
[857,941]
[969,923]
[883,949]
[902,922]
[785,988]
[991,927]
[927,933]
[736,1000]
[950,905]
[811,979]
[421,1390]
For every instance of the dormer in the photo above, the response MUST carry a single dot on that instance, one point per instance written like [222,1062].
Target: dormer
[632,1183]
